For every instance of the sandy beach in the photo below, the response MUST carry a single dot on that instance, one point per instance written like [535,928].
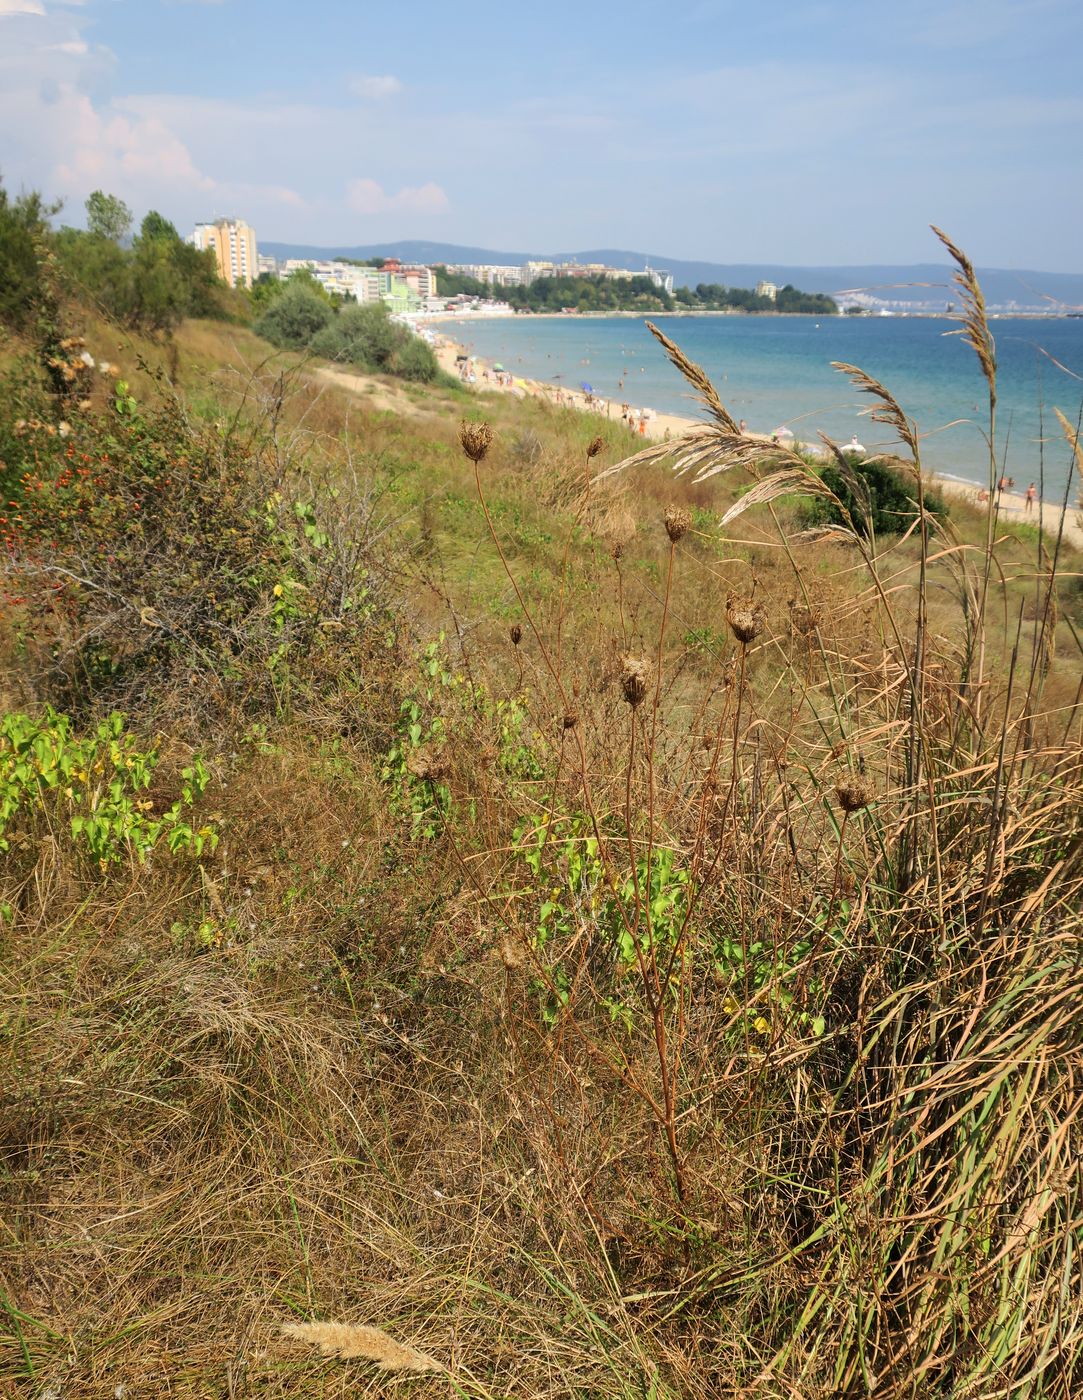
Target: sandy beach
[651,426]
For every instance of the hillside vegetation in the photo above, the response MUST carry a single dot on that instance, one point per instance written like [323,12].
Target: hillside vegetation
[452,884]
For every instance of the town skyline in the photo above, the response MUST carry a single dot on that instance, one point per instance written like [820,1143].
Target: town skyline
[720,134]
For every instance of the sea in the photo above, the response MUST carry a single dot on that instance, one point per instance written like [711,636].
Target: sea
[775,372]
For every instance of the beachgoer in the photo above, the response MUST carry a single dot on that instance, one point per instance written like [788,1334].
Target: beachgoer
[857,448]
[1011,483]
[742,426]
[1002,484]
[983,497]
[1031,497]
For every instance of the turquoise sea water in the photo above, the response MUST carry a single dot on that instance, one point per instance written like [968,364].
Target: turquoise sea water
[774,370]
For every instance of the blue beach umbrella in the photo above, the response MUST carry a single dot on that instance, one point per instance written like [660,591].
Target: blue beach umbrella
[586,388]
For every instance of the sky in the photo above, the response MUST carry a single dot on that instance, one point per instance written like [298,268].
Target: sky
[798,133]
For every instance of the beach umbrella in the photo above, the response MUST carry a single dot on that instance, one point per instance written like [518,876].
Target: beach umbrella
[586,388]
[499,367]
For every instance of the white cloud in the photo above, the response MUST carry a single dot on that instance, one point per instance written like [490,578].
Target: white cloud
[21,7]
[367,197]
[370,86]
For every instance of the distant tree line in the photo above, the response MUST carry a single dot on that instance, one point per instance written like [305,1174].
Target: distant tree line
[713,296]
[634,294]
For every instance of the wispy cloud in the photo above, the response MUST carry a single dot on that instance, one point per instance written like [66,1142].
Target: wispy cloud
[368,197]
[21,7]
[375,87]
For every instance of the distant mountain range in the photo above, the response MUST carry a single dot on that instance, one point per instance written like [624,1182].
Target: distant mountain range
[881,284]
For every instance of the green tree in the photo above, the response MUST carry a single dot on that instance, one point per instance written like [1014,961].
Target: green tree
[107,216]
[155,226]
[23,230]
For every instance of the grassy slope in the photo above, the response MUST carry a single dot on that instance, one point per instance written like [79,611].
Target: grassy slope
[346,1107]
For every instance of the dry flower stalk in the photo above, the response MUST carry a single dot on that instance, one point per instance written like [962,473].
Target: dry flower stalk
[350,1342]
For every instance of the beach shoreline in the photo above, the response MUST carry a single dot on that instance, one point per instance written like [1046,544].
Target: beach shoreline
[648,426]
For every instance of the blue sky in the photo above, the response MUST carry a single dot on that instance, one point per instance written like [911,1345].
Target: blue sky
[738,132]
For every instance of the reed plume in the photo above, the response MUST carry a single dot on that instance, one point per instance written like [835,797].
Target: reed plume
[351,1341]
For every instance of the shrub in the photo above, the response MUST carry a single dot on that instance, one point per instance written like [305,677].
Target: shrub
[367,337]
[292,319]
[877,495]
[96,786]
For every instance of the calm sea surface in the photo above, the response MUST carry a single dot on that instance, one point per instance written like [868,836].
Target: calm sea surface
[777,370]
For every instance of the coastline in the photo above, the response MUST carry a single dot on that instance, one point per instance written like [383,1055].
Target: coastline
[649,425]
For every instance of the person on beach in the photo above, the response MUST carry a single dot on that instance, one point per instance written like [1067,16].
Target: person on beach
[1002,485]
[742,427]
[1031,497]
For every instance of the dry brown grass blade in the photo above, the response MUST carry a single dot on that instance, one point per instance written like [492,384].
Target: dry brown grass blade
[975,328]
[357,1342]
[697,377]
[889,411]
[788,482]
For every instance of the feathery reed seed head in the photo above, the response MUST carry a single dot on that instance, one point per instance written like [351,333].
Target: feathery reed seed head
[347,1341]
[475,439]
[635,676]
[678,522]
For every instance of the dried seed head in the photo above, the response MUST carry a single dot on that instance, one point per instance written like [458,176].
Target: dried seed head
[475,439]
[746,620]
[595,447]
[516,634]
[635,676]
[802,617]
[853,794]
[571,719]
[426,763]
[678,522]
[617,550]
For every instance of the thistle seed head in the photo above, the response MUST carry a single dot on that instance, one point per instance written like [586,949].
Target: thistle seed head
[617,550]
[635,677]
[475,439]
[516,634]
[571,719]
[678,522]
[595,447]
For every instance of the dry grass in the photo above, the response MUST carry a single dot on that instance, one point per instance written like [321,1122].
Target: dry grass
[781,1098]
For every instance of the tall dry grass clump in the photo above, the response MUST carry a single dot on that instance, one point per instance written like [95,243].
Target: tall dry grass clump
[830,911]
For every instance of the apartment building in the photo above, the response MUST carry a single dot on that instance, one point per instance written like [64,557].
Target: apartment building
[233,243]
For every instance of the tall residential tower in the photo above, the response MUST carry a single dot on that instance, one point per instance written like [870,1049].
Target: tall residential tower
[234,245]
